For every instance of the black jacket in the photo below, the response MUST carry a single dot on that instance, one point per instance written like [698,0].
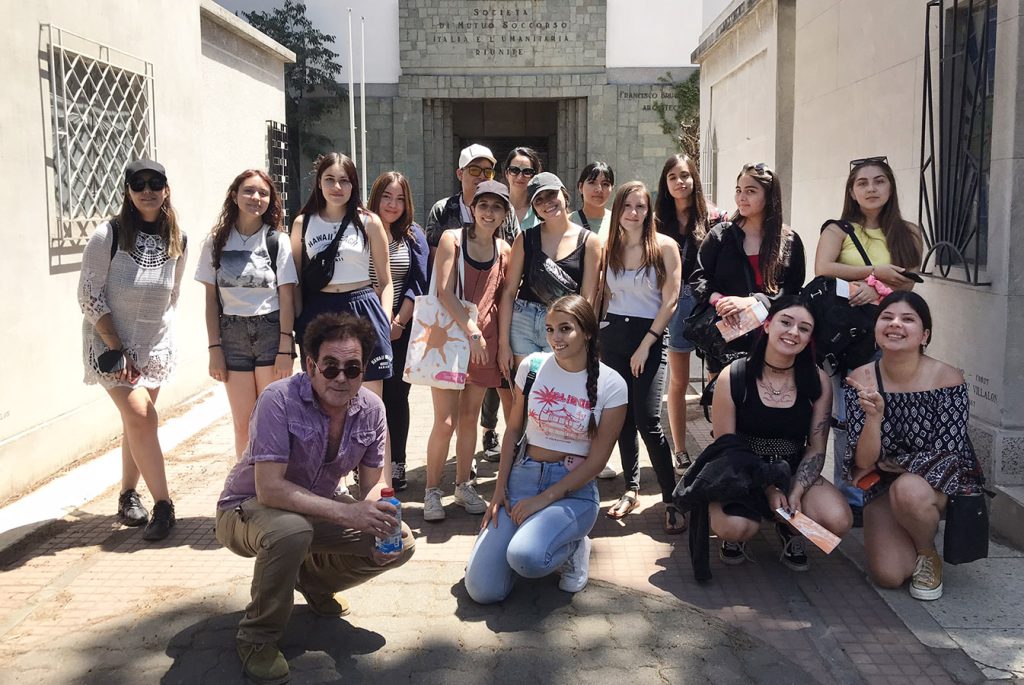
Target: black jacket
[727,470]
[723,267]
[446,213]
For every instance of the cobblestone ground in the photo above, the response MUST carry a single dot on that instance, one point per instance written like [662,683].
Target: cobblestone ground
[87,601]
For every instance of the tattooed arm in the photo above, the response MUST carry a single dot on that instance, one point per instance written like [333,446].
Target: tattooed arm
[809,470]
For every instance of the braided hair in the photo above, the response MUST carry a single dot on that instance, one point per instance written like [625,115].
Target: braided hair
[580,309]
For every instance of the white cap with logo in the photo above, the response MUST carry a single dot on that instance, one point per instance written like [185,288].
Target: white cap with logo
[475,151]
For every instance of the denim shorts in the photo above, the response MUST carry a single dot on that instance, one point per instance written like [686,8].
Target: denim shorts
[677,342]
[527,333]
[250,341]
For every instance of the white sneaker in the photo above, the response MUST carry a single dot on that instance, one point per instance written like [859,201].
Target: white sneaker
[466,497]
[576,570]
[607,473]
[433,509]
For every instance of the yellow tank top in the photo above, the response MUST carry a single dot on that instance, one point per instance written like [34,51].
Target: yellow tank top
[873,241]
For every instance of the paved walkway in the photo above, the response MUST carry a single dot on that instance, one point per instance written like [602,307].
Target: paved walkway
[84,600]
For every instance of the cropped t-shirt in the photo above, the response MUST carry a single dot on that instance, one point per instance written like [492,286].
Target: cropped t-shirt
[246,282]
[558,409]
[352,263]
[634,292]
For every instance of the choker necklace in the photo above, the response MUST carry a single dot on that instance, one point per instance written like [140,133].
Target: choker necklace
[779,368]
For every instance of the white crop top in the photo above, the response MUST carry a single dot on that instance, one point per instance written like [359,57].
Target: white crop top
[635,292]
[352,264]
[558,408]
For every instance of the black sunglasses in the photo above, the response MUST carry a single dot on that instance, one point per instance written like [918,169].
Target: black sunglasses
[515,171]
[475,171]
[882,159]
[352,370]
[155,183]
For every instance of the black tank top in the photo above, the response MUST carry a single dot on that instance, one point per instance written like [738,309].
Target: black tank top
[774,433]
[571,264]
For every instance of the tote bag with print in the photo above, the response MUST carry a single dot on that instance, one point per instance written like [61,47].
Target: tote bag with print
[438,353]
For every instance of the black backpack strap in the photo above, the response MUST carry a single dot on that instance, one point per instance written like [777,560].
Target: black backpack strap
[273,236]
[848,230]
[878,377]
[583,220]
[302,243]
[115,225]
[738,381]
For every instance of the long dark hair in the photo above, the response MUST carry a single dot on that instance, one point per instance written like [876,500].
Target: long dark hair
[652,256]
[580,309]
[916,302]
[316,202]
[400,229]
[273,216]
[770,257]
[805,371]
[128,220]
[904,243]
[523,151]
[665,211]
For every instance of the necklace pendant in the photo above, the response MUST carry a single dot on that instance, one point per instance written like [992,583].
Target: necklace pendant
[776,392]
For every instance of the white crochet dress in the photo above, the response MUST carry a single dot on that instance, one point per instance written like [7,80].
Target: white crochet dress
[139,289]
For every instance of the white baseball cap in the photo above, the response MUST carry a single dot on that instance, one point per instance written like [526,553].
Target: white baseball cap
[475,151]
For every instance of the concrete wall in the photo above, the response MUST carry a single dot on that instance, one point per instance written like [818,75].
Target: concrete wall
[48,417]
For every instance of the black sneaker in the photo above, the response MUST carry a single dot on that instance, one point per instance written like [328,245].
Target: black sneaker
[398,481]
[130,511]
[793,553]
[492,446]
[733,553]
[163,520]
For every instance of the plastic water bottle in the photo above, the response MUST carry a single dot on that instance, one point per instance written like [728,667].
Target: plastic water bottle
[393,542]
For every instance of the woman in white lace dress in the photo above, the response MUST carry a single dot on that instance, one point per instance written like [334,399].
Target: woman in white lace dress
[131,274]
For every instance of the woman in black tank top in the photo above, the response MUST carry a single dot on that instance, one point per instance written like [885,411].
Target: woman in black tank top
[782,405]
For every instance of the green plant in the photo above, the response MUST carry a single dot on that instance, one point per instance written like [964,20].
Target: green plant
[680,117]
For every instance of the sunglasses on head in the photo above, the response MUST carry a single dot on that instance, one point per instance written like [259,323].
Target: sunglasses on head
[475,171]
[515,171]
[352,370]
[139,184]
[882,159]
[760,168]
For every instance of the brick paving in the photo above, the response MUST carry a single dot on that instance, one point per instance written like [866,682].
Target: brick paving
[87,601]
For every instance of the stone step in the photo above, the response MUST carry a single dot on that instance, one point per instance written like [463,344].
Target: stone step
[1006,514]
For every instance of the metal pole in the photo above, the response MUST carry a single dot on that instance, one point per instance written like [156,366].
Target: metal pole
[362,102]
[351,94]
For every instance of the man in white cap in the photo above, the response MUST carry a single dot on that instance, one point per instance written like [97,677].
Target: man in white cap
[476,165]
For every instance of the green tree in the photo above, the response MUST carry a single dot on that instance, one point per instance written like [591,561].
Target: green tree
[681,118]
[312,89]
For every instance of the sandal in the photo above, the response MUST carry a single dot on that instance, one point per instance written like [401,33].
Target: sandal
[675,520]
[624,506]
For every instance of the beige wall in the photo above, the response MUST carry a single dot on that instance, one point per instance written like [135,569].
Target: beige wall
[213,93]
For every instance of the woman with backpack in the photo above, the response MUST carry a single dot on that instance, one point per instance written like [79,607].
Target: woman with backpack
[246,265]
[641,291]
[333,238]
[128,291]
[753,259]
[779,400]
[684,214]
[870,218]
[595,185]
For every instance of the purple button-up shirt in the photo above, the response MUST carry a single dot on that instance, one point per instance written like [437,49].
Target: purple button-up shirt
[288,427]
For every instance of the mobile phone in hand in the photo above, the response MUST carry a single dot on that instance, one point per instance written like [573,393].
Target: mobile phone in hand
[915,277]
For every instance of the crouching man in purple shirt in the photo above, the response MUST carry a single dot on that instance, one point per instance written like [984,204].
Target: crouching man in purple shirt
[278,503]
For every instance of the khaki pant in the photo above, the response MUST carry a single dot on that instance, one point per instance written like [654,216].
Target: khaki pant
[289,547]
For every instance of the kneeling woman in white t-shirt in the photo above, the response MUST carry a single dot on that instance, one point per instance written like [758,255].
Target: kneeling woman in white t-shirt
[545,499]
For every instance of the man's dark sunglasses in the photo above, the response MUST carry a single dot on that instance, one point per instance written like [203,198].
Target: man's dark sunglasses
[352,370]
[515,171]
[155,183]
[854,163]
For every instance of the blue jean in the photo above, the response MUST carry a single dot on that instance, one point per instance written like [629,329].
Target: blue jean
[541,544]
[854,495]
[677,342]
[527,332]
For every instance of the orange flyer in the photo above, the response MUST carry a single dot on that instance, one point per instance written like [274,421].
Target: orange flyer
[822,538]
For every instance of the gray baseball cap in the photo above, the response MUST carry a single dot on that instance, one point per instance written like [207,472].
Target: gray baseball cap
[494,188]
[541,182]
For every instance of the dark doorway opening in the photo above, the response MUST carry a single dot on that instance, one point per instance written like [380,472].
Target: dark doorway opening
[504,124]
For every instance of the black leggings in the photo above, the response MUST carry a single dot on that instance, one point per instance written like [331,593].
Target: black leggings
[396,400]
[619,340]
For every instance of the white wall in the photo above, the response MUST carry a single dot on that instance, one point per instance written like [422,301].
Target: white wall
[652,33]
[330,16]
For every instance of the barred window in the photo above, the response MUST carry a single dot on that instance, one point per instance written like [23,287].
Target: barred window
[959,80]
[101,101]
[277,160]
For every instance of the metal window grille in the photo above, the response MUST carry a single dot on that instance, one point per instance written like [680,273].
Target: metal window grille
[956,137]
[102,118]
[277,159]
